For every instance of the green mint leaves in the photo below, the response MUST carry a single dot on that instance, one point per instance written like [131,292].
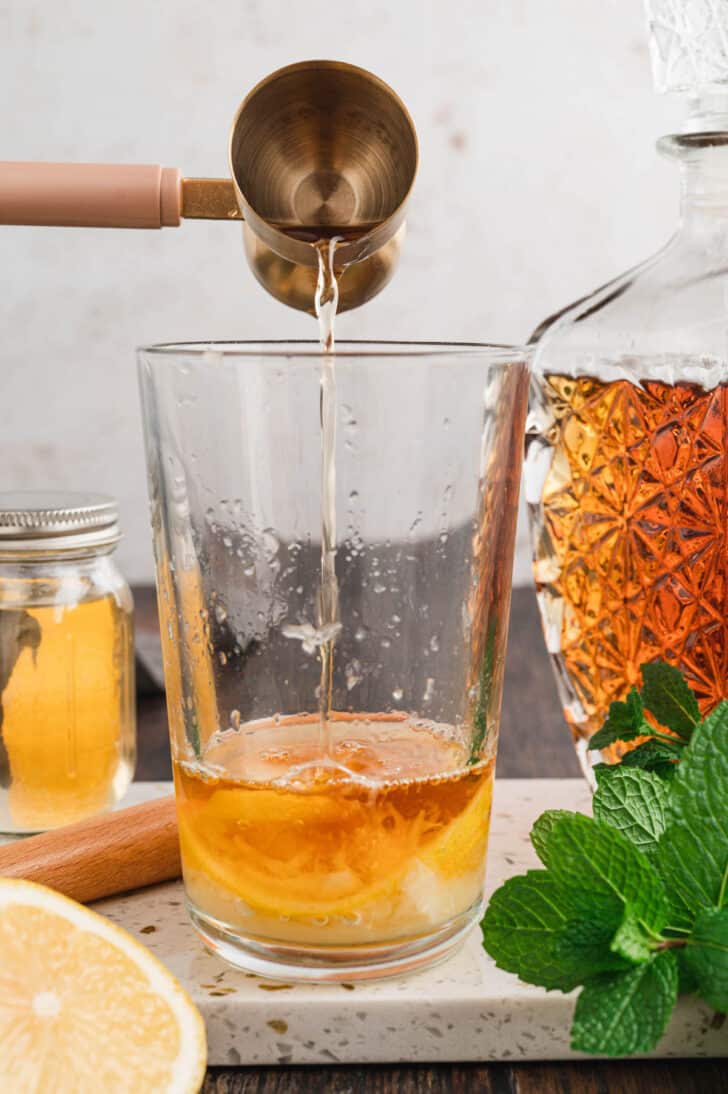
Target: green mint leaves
[633,903]
[669,700]
[634,802]
[538,935]
[692,856]
[706,956]
[625,722]
[666,695]
[592,863]
[620,1013]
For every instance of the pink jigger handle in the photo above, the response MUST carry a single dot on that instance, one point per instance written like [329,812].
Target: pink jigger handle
[90,195]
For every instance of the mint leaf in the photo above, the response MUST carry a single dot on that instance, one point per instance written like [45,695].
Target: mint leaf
[668,697]
[590,858]
[633,802]
[693,851]
[706,956]
[631,942]
[623,1012]
[529,928]
[687,983]
[625,721]
[542,829]
[658,756]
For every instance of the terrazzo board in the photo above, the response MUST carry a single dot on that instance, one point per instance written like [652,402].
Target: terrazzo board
[463,1009]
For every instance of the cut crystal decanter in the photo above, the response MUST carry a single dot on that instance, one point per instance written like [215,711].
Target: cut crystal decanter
[627,446]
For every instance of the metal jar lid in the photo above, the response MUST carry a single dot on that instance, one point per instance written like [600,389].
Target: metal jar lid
[46,521]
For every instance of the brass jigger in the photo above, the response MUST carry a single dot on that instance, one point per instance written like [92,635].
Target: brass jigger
[317,150]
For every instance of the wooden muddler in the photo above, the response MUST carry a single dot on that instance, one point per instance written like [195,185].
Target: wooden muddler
[108,854]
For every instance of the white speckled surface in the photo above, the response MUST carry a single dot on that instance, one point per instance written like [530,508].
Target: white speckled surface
[464,1009]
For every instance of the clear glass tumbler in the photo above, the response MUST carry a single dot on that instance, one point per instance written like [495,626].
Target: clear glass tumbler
[333,714]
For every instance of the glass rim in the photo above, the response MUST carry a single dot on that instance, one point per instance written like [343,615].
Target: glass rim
[309,348]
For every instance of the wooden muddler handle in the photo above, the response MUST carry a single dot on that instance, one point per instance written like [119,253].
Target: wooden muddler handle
[103,855]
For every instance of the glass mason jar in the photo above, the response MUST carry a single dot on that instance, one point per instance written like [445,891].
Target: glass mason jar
[334,623]
[67,716]
[627,463]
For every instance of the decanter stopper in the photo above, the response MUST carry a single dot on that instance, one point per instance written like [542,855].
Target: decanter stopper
[689,46]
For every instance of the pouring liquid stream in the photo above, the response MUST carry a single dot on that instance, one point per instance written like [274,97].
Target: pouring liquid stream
[329,622]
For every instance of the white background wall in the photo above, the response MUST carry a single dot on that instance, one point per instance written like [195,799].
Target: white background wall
[538,181]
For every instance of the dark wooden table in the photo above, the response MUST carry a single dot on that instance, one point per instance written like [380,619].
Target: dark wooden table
[534,743]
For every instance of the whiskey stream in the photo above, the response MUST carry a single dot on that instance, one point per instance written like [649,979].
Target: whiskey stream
[329,623]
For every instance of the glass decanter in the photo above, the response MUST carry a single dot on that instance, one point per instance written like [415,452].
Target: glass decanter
[627,441]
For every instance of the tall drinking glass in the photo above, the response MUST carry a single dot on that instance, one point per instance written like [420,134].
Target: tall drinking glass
[333,712]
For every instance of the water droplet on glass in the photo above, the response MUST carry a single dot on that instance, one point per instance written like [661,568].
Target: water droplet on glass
[434,643]
[353,674]
[360,634]
[271,544]
[220,612]
[379,588]
[397,695]
[222,657]
[235,719]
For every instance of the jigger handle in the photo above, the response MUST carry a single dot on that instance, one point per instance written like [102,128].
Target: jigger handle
[104,195]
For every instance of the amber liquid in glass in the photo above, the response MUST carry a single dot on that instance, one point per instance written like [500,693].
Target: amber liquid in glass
[632,558]
[329,828]
[385,842]
[66,746]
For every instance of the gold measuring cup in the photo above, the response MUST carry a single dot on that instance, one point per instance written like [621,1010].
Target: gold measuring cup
[317,150]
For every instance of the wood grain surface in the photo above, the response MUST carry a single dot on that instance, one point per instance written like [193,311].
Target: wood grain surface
[534,743]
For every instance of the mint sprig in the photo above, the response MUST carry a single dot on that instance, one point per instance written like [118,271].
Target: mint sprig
[667,697]
[633,903]
[706,956]
[693,853]
[620,1013]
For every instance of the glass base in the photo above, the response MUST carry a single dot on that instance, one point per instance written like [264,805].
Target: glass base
[306,963]
[28,811]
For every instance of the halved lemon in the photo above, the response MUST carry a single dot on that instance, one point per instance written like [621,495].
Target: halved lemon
[85,1007]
